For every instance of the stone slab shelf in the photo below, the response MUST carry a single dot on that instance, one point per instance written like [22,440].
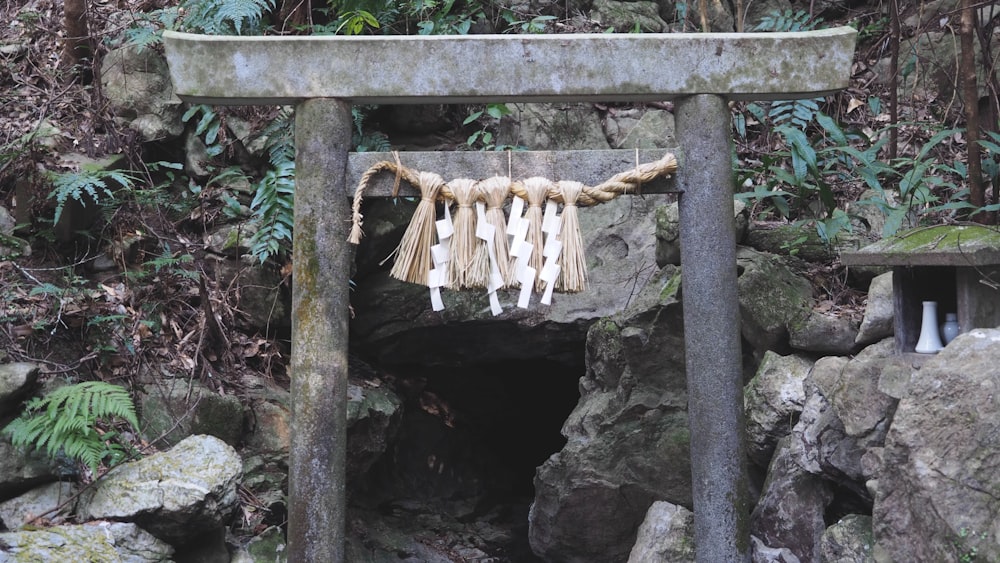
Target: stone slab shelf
[956,265]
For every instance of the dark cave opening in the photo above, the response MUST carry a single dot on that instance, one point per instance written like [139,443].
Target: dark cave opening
[471,438]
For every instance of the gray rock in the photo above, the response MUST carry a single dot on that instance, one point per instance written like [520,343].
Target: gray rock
[627,439]
[848,541]
[771,296]
[137,84]
[7,222]
[626,16]
[668,231]
[373,415]
[17,379]
[878,319]
[855,396]
[22,509]
[667,534]
[774,398]
[790,511]
[21,469]
[264,300]
[230,239]
[175,408]
[555,127]
[762,553]
[823,333]
[107,542]
[936,498]
[182,492]
[640,129]
[267,547]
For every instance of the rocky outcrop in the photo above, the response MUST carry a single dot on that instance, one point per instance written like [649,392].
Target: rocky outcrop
[176,494]
[16,381]
[627,440]
[137,84]
[774,398]
[936,496]
[49,504]
[109,542]
[790,512]
[667,534]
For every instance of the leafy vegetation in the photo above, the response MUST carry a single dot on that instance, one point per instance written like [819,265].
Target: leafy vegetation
[80,421]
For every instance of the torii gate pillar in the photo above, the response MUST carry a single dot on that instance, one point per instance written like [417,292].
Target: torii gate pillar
[324,75]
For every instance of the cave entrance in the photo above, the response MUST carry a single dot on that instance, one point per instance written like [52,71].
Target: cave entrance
[468,445]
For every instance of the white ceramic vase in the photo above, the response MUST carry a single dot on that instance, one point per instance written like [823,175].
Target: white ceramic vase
[930,339]
[950,328]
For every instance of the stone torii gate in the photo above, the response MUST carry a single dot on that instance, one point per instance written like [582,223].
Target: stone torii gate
[324,75]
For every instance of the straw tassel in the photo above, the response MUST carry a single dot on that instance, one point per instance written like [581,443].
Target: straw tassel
[463,271]
[493,191]
[536,189]
[413,255]
[573,276]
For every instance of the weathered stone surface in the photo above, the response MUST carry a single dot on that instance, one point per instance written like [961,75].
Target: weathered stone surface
[820,440]
[182,492]
[7,222]
[771,296]
[107,542]
[667,534]
[16,380]
[22,509]
[628,437]
[628,16]
[264,300]
[762,553]
[22,469]
[774,398]
[790,511]
[937,492]
[848,541]
[878,319]
[855,395]
[267,547]
[823,333]
[507,68]
[668,231]
[138,85]
[373,415]
[175,408]
[555,126]
[640,129]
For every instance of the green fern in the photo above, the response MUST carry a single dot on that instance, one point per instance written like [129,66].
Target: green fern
[798,113]
[788,21]
[225,17]
[87,185]
[273,212]
[66,420]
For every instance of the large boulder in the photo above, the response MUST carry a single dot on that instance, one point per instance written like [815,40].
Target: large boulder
[137,84]
[790,511]
[628,438]
[878,320]
[848,541]
[17,380]
[937,497]
[773,400]
[107,542]
[21,469]
[667,534]
[772,296]
[183,492]
[555,127]
[49,503]
[174,408]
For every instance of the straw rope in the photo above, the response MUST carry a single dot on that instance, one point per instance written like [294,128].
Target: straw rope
[494,191]
[463,272]
[535,189]
[629,181]
[413,255]
[573,274]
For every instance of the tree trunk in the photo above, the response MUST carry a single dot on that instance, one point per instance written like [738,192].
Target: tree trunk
[896,37]
[970,101]
[76,30]
[295,14]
